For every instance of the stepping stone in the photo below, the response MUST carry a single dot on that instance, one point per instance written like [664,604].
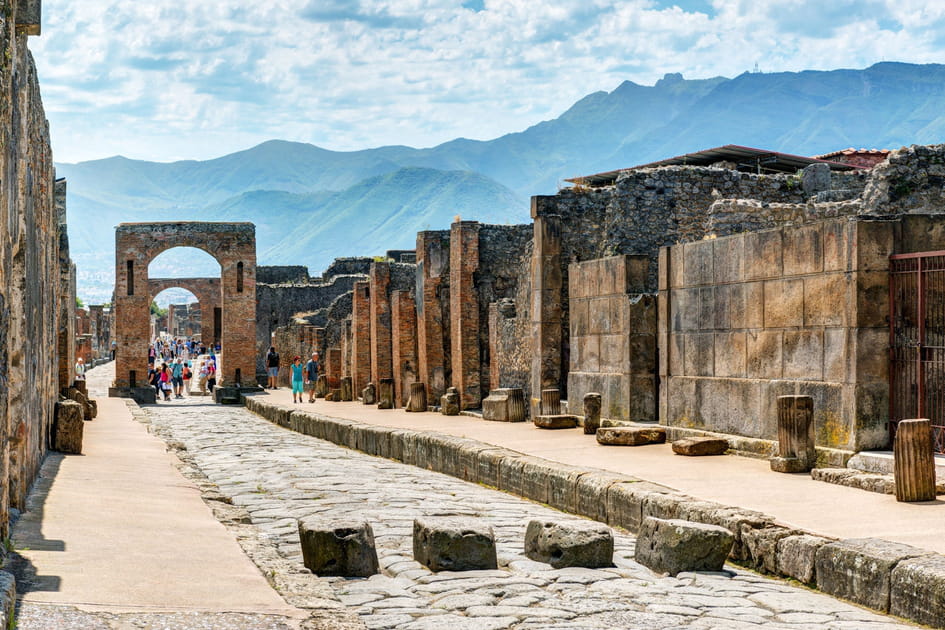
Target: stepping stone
[630,436]
[699,446]
[673,546]
[344,549]
[589,545]
[559,421]
[453,544]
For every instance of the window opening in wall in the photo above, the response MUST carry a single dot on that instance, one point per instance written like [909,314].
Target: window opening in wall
[239,277]
[131,277]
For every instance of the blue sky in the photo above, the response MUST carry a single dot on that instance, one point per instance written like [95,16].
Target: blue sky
[165,80]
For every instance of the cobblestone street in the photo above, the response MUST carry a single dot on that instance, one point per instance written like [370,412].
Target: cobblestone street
[279,476]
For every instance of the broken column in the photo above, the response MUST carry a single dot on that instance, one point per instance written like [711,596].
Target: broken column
[449,402]
[795,435]
[914,461]
[550,402]
[433,276]
[369,394]
[592,402]
[418,397]
[385,394]
[347,394]
[547,282]
[505,404]
[464,313]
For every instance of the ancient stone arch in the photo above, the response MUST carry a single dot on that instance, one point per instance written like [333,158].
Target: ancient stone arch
[208,292]
[233,245]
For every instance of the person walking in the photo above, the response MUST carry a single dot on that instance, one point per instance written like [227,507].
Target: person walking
[80,369]
[311,376]
[272,366]
[177,377]
[211,374]
[154,380]
[298,379]
[166,382]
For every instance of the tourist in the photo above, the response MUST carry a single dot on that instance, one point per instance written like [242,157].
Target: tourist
[165,381]
[211,374]
[311,376]
[177,376]
[272,367]
[154,380]
[298,379]
[80,369]
[187,376]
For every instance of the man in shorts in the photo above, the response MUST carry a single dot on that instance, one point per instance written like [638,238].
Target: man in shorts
[272,367]
[311,376]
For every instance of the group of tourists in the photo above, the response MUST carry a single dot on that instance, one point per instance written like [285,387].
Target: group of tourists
[170,366]
[169,349]
[304,377]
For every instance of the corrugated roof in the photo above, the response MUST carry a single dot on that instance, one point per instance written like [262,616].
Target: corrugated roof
[746,159]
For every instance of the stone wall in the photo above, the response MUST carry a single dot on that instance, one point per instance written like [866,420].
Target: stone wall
[282,274]
[795,310]
[613,337]
[37,297]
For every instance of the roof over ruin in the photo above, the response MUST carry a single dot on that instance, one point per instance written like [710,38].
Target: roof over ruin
[745,159]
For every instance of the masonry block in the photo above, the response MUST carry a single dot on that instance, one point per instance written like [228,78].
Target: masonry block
[338,549]
[673,546]
[453,544]
[504,405]
[588,545]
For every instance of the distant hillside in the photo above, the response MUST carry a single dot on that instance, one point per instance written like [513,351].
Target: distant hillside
[302,190]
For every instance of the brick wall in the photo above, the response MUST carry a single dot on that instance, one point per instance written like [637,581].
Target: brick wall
[404,344]
[361,368]
[432,305]
[464,313]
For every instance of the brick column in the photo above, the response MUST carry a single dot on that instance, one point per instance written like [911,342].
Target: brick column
[464,312]
[546,304]
[361,335]
[333,370]
[433,274]
[403,318]
[381,366]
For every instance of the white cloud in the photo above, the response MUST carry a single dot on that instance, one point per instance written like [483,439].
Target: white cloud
[165,80]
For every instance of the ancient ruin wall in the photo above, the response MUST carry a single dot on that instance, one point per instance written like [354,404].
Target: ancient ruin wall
[32,293]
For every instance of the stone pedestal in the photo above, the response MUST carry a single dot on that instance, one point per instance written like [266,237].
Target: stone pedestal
[914,461]
[795,435]
[587,544]
[550,402]
[338,549]
[558,421]
[369,394]
[504,405]
[321,386]
[69,427]
[449,402]
[453,544]
[418,397]
[347,393]
[592,403]
[385,394]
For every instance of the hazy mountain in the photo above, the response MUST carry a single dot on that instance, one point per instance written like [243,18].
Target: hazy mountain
[310,204]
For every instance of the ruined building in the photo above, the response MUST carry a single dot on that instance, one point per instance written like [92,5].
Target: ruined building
[689,292]
[37,277]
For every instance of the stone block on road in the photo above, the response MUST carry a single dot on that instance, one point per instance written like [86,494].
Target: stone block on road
[700,446]
[589,545]
[673,546]
[338,549]
[630,436]
[453,544]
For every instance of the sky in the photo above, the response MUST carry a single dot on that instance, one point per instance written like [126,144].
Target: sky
[166,80]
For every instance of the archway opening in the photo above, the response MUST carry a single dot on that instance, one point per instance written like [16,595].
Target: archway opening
[176,313]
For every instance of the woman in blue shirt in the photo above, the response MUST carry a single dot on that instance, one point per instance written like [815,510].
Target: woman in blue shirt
[298,379]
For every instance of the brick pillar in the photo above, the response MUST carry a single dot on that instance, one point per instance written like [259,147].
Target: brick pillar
[361,335]
[464,312]
[346,364]
[546,300]
[403,319]
[381,366]
[334,367]
[494,352]
[433,274]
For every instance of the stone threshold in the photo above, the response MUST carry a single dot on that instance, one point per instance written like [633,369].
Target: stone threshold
[835,567]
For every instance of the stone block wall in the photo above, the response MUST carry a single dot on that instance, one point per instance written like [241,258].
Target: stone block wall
[794,310]
[37,295]
[613,337]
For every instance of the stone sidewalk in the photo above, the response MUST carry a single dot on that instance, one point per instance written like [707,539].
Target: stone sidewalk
[279,476]
[795,499]
[118,538]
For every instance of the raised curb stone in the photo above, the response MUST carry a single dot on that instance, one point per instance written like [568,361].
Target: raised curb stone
[558,421]
[338,549]
[630,436]
[918,590]
[453,544]
[797,556]
[673,546]
[700,446]
[588,545]
[860,569]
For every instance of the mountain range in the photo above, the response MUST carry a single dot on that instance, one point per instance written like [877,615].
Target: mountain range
[311,204]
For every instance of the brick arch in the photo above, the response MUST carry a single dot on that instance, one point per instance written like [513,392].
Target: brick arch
[208,291]
[232,245]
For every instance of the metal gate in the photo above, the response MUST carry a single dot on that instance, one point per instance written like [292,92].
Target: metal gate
[917,341]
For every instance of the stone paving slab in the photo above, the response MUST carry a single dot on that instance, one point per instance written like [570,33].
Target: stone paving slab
[279,476]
